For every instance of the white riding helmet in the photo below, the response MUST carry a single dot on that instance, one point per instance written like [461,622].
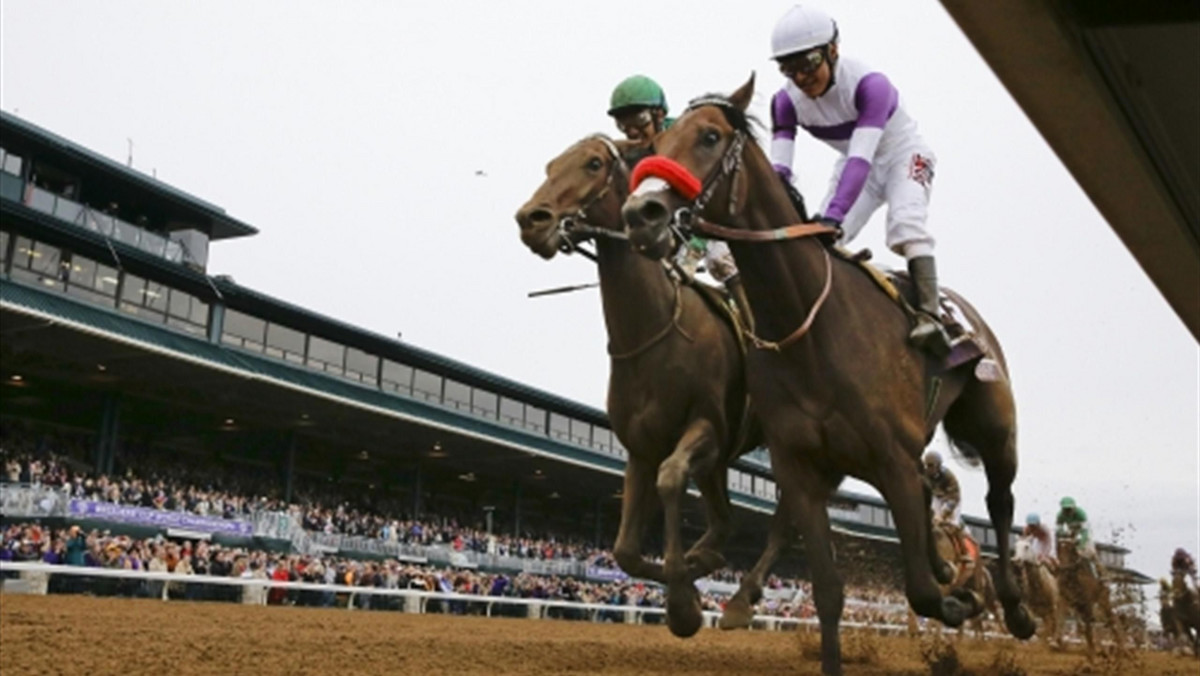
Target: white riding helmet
[802,28]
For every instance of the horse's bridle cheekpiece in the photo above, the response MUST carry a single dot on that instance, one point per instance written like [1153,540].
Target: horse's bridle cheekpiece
[573,229]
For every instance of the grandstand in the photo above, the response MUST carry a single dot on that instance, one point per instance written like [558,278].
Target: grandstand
[116,338]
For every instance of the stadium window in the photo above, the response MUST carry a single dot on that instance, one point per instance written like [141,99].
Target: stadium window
[12,163]
[512,412]
[38,263]
[4,240]
[285,343]
[484,403]
[602,439]
[240,329]
[125,233]
[361,367]
[68,211]
[560,426]
[580,432]
[186,312]
[82,282]
[457,395]
[427,385]
[732,481]
[535,419]
[396,378]
[325,355]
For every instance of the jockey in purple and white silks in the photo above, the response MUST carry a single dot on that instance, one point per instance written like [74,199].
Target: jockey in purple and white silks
[857,111]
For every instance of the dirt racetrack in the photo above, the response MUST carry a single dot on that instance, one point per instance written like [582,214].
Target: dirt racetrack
[85,635]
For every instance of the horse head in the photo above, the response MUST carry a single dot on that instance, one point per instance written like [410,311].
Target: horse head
[580,198]
[707,140]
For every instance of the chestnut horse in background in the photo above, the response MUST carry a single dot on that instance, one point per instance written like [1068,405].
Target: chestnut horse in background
[677,392]
[837,387]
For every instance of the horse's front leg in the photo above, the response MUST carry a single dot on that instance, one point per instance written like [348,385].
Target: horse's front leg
[902,488]
[696,453]
[637,506]
[705,556]
[739,611]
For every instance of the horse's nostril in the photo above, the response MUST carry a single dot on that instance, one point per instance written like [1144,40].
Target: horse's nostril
[535,218]
[653,212]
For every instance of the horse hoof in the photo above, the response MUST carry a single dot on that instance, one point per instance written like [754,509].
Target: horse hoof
[738,615]
[1019,623]
[953,612]
[703,561]
[684,616]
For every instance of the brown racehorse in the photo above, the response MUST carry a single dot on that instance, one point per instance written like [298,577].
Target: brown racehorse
[1041,590]
[677,393]
[973,577]
[843,394]
[1084,592]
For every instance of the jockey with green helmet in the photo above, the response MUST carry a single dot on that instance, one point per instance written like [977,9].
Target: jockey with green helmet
[639,107]
[1072,522]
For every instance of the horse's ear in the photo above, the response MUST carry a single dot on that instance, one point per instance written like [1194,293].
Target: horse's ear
[741,98]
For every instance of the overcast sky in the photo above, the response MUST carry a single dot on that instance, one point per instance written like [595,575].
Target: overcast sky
[350,134]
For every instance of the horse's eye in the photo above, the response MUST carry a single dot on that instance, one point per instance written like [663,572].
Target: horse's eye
[595,164]
[710,138]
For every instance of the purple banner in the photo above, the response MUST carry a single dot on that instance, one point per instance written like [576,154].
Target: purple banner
[153,517]
[606,574]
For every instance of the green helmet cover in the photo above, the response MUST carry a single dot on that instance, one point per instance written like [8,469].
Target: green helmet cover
[637,91]
[1067,502]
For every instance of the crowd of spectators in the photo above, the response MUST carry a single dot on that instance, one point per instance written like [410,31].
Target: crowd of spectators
[147,481]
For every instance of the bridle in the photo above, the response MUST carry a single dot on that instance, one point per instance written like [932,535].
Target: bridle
[576,228]
[686,220]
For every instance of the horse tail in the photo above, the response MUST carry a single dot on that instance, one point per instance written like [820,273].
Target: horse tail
[964,452]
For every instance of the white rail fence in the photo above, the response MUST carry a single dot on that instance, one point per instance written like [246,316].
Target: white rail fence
[34,578]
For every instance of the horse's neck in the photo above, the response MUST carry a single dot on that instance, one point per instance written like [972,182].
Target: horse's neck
[784,279]
[637,296]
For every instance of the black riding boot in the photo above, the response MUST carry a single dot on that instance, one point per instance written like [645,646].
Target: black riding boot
[928,334]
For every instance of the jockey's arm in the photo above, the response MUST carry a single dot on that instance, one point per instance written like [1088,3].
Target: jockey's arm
[876,100]
[783,134]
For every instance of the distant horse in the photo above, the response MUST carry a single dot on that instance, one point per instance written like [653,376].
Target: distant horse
[1085,592]
[838,388]
[1186,607]
[972,577]
[677,392]
[1041,590]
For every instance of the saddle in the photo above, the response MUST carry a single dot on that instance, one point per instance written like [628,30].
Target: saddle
[966,344]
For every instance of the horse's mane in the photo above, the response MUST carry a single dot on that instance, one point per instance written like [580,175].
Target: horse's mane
[736,117]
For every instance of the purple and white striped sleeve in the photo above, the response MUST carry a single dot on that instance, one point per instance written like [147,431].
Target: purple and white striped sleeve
[783,133]
[876,100]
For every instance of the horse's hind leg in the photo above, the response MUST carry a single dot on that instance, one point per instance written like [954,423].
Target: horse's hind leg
[637,506]
[983,418]
[739,611]
[705,556]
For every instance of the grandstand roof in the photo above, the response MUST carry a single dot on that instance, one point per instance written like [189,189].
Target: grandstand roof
[21,137]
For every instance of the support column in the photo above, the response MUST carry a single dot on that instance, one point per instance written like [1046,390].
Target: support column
[516,509]
[599,533]
[289,469]
[417,490]
[110,425]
